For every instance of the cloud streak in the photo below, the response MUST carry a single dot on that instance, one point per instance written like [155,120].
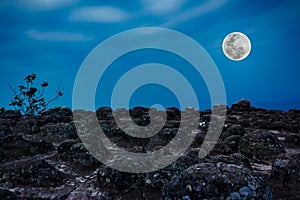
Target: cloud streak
[197,11]
[162,6]
[102,14]
[57,36]
[37,5]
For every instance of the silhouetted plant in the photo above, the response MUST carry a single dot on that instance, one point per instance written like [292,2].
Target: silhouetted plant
[2,110]
[29,99]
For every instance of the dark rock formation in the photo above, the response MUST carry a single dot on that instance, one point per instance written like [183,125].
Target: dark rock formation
[5,128]
[216,181]
[77,153]
[260,145]
[42,157]
[33,173]
[27,125]
[6,194]
[285,177]
[57,115]
[58,132]
[16,147]
[243,105]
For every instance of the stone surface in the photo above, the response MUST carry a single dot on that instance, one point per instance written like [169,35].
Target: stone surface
[5,129]
[261,145]
[77,153]
[42,157]
[285,177]
[216,181]
[16,147]
[58,132]
[27,125]
[33,173]
[57,115]
[243,105]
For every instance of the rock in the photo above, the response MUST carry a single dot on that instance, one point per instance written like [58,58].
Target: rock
[5,129]
[57,115]
[235,158]
[77,153]
[285,177]
[277,125]
[243,105]
[216,181]
[16,147]
[292,140]
[140,115]
[260,145]
[59,131]
[85,121]
[65,146]
[173,113]
[87,192]
[231,144]
[58,193]
[219,107]
[11,114]
[114,180]
[228,146]
[39,146]
[33,173]
[30,168]
[235,129]
[6,194]
[261,124]
[104,113]
[199,138]
[27,125]
[229,140]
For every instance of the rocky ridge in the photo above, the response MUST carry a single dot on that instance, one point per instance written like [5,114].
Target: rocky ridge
[257,156]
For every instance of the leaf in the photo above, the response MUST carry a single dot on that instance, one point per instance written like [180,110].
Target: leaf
[21,87]
[45,84]
[33,76]
[27,78]
[32,91]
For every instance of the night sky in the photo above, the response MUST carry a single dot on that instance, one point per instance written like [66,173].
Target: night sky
[53,37]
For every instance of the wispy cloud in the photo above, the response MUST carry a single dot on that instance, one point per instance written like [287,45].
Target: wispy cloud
[57,36]
[162,6]
[44,4]
[99,14]
[197,11]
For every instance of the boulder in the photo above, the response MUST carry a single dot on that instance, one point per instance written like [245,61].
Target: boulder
[260,145]
[77,153]
[235,129]
[216,181]
[56,115]
[104,113]
[27,125]
[16,147]
[285,177]
[11,114]
[59,131]
[6,194]
[114,180]
[292,140]
[5,128]
[33,173]
[243,105]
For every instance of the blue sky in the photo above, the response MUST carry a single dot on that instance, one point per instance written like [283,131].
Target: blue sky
[53,37]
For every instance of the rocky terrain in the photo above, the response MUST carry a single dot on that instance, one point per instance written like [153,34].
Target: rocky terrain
[257,156]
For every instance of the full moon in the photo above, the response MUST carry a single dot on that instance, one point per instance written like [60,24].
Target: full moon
[236,46]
